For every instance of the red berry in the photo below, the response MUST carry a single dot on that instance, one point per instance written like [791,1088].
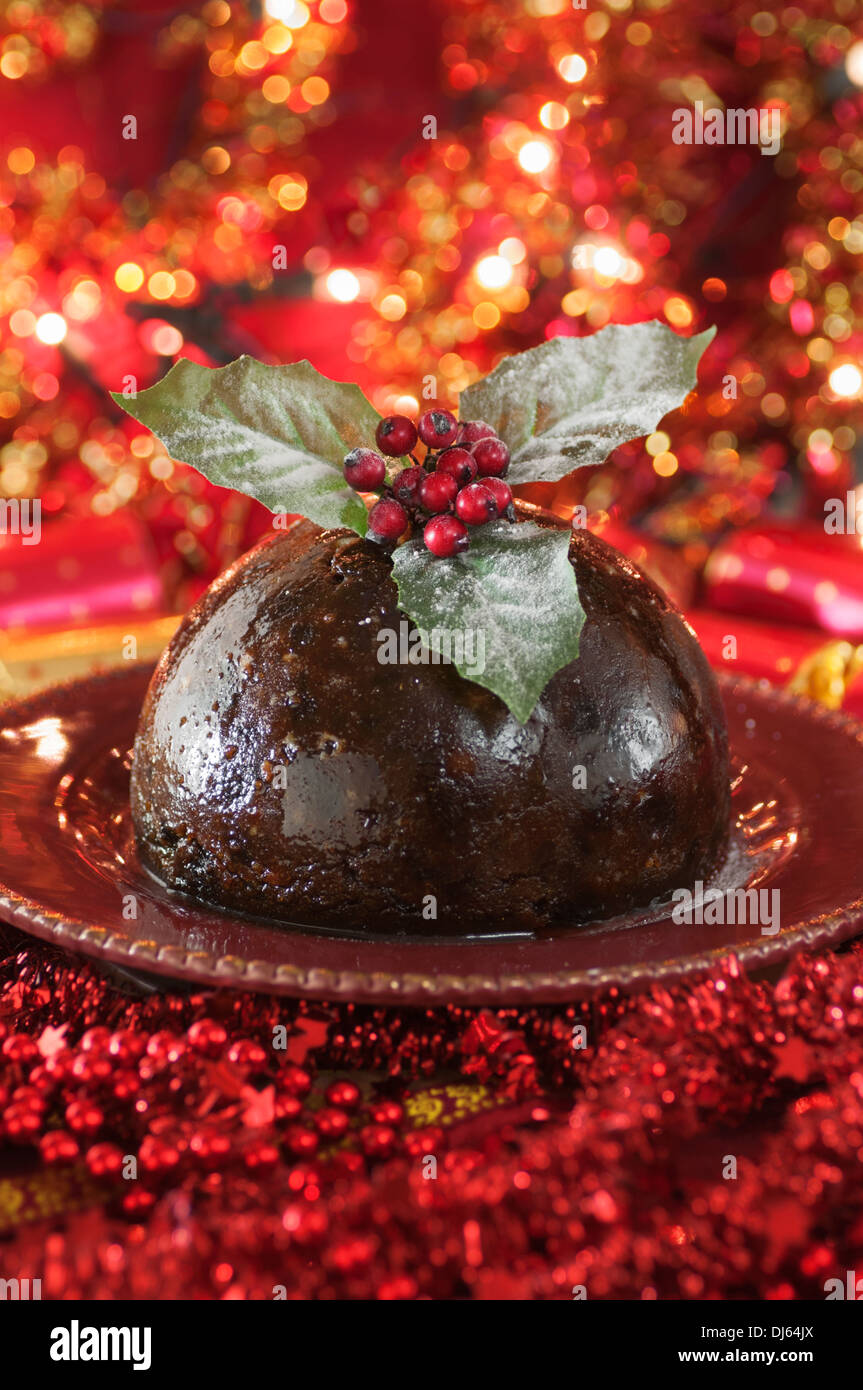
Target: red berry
[438,491]
[364,470]
[476,504]
[445,536]
[387,519]
[472,430]
[396,435]
[438,428]
[492,457]
[460,464]
[406,486]
[502,493]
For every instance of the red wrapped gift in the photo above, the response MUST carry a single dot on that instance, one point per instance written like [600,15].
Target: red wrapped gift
[767,651]
[78,571]
[797,574]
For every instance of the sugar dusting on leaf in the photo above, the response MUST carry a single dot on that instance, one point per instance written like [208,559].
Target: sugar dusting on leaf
[515,586]
[279,434]
[570,402]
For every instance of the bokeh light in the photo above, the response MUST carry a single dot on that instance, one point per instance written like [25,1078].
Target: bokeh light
[494,272]
[535,156]
[846,380]
[343,285]
[572,68]
[51,328]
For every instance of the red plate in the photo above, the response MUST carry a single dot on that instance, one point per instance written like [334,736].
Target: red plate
[69,871]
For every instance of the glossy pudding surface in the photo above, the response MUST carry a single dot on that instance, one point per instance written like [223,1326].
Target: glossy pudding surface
[281,770]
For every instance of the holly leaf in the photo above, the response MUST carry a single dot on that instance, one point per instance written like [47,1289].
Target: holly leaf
[568,403]
[510,604]
[279,434]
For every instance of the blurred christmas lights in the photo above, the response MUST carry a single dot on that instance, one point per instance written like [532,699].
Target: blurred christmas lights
[555,203]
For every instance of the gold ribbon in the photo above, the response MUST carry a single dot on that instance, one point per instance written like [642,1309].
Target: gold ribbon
[826,674]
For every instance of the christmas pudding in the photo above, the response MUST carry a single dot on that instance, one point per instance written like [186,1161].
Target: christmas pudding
[471,718]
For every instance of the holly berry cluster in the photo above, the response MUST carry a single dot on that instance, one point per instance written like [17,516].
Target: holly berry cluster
[459,483]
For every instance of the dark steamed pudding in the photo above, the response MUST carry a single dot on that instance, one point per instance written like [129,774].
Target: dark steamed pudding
[280,769]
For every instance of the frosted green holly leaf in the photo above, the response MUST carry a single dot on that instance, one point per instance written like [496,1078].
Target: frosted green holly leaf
[514,591]
[568,403]
[278,434]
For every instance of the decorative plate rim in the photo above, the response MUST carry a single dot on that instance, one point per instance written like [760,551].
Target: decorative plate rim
[209,969]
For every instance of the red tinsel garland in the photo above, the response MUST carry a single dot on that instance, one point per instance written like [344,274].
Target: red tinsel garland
[605,1168]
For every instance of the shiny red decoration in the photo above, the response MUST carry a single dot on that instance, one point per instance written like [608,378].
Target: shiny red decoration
[538,1168]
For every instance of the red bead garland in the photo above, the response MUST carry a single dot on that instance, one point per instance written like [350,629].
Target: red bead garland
[209,1163]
